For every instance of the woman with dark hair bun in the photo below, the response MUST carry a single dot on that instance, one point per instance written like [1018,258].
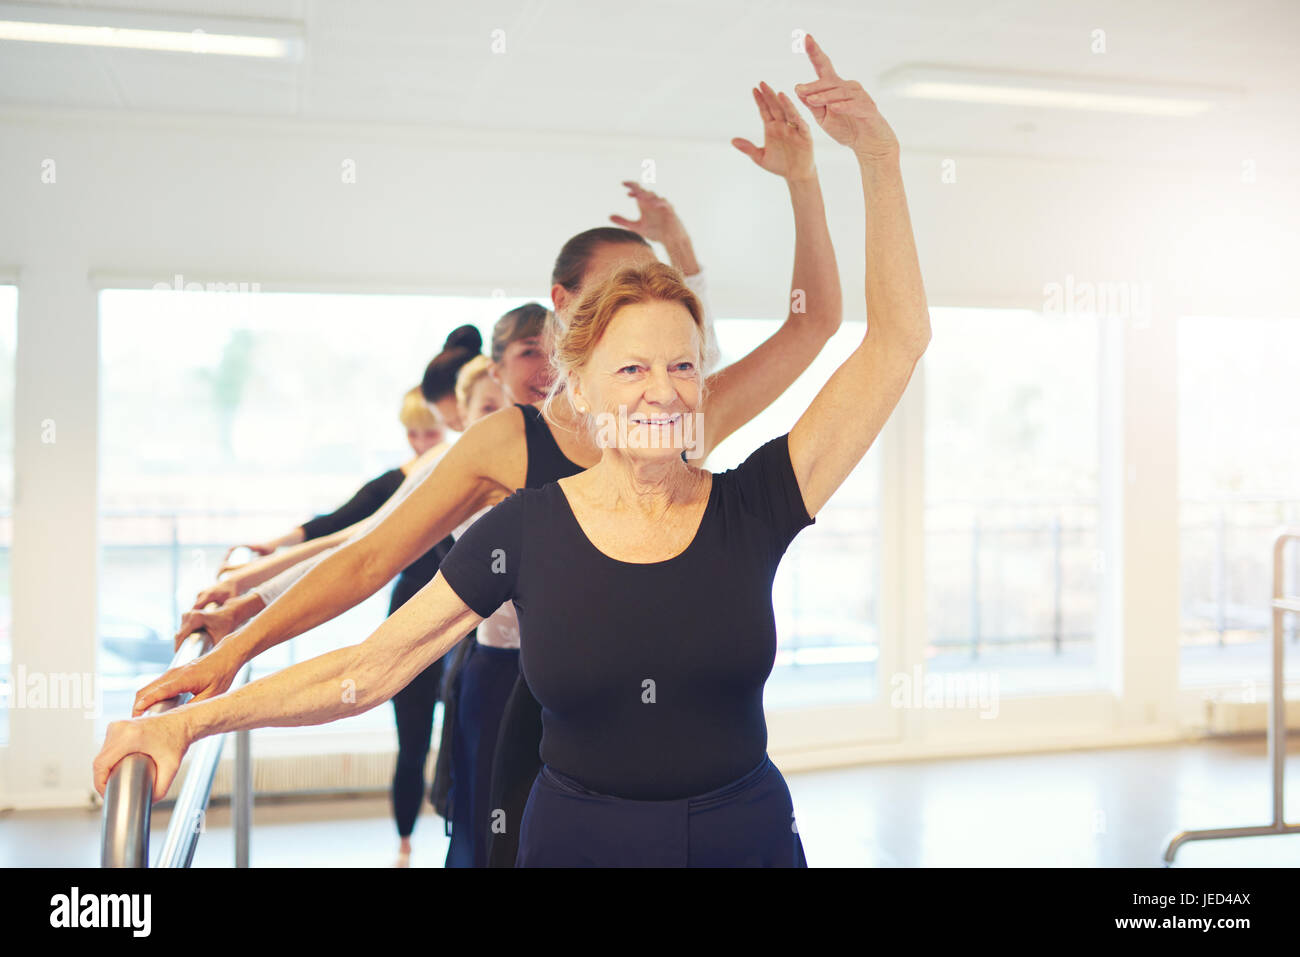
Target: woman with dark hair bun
[439,384]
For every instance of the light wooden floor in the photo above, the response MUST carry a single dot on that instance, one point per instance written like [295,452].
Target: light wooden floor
[1077,809]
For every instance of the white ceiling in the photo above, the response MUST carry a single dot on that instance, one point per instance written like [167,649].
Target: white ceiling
[681,69]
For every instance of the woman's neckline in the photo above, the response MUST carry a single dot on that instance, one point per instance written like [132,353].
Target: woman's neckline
[699,528]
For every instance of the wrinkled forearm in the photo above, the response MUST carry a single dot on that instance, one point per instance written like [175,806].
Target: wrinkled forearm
[816,274]
[313,692]
[895,294]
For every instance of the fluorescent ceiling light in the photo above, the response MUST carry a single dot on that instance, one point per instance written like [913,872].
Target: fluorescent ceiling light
[1051,92]
[172,33]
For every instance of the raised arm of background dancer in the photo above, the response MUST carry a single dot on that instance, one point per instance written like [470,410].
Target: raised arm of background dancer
[749,385]
[660,223]
[335,685]
[461,485]
[833,435]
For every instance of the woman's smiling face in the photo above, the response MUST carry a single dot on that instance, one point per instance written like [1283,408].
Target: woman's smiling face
[642,382]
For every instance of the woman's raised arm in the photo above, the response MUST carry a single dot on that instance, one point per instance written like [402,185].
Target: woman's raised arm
[842,422]
[335,685]
[749,385]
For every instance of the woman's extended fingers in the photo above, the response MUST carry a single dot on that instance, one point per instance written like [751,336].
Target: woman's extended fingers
[817,86]
[220,593]
[749,149]
[639,192]
[787,142]
[191,622]
[217,623]
[202,678]
[116,747]
[820,61]
[845,111]
[790,113]
[764,110]
[837,94]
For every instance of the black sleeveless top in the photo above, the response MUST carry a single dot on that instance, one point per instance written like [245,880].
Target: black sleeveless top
[546,463]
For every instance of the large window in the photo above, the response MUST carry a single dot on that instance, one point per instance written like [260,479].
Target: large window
[8,346]
[231,417]
[1011,497]
[1239,478]
[826,593]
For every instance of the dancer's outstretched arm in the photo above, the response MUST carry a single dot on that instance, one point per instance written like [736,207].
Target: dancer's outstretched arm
[461,484]
[842,422]
[749,385]
[334,685]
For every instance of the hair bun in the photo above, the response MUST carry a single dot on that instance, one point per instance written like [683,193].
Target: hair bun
[464,337]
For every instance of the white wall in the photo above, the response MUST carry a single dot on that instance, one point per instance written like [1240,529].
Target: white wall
[143,198]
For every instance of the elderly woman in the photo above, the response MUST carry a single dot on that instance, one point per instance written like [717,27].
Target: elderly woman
[518,447]
[642,584]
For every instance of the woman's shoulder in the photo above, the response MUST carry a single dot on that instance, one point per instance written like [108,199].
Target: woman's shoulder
[496,427]
[527,501]
[772,455]
[765,484]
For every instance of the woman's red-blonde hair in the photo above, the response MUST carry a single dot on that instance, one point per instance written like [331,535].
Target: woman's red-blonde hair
[649,282]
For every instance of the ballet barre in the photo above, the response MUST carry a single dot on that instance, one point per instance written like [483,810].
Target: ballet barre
[128,796]
[1282,604]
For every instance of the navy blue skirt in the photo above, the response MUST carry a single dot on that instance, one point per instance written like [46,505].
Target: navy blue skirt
[747,823]
[487,677]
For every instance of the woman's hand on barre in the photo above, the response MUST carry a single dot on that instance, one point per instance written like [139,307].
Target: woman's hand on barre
[205,677]
[266,548]
[219,622]
[217,594]
[161,738]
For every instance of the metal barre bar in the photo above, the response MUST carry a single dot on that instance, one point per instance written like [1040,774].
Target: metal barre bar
[186,823]
[1281,604]
[128,796]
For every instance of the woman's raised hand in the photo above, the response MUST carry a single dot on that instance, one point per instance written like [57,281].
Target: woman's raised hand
[658,221]
[787,148]
[844,110]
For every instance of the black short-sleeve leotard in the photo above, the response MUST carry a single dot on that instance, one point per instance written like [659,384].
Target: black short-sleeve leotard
[650,676]
[362,505]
